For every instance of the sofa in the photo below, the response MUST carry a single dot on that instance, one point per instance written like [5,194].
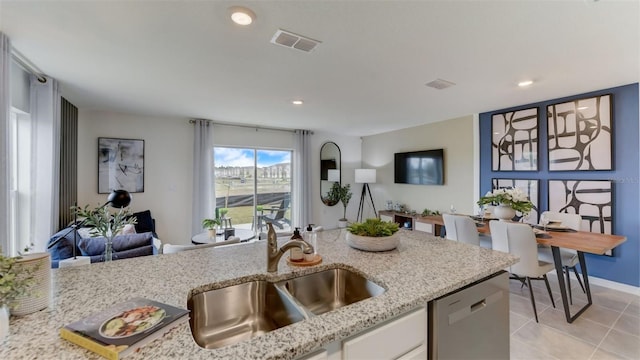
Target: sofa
[141,243]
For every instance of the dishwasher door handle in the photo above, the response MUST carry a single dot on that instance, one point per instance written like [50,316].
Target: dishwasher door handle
[467,311]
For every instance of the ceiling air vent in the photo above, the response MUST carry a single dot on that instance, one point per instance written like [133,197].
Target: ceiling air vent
[295,41]
[440,84]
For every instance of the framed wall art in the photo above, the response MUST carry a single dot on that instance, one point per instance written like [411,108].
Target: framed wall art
[580,134]
[120,165]
[591,199]
[528,186]
[514,143]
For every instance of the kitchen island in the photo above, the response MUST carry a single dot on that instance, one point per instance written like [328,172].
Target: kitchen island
[421,269]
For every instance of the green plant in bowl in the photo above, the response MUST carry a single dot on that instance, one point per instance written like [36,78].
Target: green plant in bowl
[210,223]
[373,228]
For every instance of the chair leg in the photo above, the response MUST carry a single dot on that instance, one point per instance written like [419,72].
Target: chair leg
[546,282]
[533,301]
[579,280]
[566,271]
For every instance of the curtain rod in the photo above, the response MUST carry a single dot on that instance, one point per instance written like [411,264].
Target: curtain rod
[192,121]
[27,65]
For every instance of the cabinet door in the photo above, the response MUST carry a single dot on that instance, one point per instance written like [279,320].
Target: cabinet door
[320,355]
[420,226]
[419,353]
[386,218]
[390,340]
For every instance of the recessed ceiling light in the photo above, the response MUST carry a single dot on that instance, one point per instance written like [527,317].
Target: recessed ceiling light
[525,83]
[241,15]
[297,102]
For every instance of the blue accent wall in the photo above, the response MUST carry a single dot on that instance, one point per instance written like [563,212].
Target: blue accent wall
[624,266]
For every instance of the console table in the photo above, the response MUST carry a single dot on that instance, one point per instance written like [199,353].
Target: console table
[432,224]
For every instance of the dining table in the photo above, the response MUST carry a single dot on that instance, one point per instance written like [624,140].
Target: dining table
[580,241]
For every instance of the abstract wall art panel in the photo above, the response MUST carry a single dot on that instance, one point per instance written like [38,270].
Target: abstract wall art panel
[592,199]
[120,165]
[514,144]
[527,186]
[579,134]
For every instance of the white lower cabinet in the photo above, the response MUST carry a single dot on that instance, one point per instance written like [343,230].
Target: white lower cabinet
[386,218]
[402,338]
[425,227]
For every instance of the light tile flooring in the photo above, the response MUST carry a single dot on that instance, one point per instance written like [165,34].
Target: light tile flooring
[609,329]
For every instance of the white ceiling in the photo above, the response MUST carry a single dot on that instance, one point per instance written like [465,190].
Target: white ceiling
[186,59]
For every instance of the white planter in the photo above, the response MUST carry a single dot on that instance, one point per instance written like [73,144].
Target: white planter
[367,243]
[504,212]
[38,294]
[342,224]
[4,322]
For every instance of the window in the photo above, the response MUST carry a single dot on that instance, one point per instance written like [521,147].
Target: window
[20,234]
[255,186]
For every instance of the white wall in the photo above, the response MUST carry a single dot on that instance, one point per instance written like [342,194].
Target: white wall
[168,167]
[455,136]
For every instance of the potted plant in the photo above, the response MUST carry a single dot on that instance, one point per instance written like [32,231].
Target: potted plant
[15,282]
[105,224]
[373,235]
[342,194]
[508,201]
[210,224]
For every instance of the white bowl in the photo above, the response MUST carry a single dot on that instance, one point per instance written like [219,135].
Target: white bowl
[368,243]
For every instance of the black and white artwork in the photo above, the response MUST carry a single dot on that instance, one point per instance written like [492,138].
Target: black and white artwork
[592,199]
[579,134]
[514,142]
[120,165]
[527,186]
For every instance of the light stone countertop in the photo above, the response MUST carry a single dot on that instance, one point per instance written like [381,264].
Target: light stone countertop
[422,268]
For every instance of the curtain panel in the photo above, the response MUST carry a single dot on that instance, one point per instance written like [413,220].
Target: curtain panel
[203,174]
[301,198]
[5,71]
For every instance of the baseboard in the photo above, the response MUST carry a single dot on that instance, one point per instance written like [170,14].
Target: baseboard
[630,289]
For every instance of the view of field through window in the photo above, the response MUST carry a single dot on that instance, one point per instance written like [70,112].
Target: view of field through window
[254,185]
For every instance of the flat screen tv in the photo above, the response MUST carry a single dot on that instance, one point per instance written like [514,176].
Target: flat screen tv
[420,167]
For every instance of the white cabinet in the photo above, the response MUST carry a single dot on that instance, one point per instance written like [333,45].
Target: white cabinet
[386,218]
[420,226]
[402,338]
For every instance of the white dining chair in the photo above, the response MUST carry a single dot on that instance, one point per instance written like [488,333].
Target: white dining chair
[518,239]
[171,249]
[461,228]
[569,257]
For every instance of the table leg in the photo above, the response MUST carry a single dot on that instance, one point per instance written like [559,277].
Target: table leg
[557,259]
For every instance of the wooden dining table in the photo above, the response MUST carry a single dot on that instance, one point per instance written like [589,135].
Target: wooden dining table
[581,241]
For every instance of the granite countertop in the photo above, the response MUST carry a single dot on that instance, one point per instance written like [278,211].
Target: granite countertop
[422,268]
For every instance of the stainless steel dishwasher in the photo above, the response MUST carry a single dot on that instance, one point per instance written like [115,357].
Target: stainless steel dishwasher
[473,322]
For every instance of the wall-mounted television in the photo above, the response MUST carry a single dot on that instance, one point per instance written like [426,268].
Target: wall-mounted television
[419,167]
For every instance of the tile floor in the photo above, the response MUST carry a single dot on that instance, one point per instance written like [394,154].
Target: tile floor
[609,329]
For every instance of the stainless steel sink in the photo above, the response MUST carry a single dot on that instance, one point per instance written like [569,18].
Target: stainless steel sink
[331,289]
[235,313]
[232,314]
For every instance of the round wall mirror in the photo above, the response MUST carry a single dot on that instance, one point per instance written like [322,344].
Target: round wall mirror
[329,171]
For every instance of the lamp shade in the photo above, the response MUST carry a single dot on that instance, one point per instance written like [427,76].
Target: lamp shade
[365,176]
[119,198]
[333,175]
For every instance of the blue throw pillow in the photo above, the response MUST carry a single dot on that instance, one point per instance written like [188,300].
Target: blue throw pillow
[144,222]
[64,248]
[95,246]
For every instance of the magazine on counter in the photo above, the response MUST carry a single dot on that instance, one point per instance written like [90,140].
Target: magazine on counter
[124,327]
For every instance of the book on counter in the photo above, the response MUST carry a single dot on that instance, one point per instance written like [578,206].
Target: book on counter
[124,327]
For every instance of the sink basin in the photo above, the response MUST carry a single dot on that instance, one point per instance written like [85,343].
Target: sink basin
[331,289]
[232,314]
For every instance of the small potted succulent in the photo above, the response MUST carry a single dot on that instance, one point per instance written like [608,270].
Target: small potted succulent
[373,235]
[210,224]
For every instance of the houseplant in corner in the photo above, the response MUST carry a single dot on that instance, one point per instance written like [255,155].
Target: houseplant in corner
[373,235]
[210,224]
[507,202]
[342,194]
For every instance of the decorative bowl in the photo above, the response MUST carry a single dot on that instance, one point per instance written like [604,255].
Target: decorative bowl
[367,243]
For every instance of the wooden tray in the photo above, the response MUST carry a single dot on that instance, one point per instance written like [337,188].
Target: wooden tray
[317,260]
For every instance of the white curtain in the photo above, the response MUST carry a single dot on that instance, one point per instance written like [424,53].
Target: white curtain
[203,175]
[5,71]
[45,159]
[301,198]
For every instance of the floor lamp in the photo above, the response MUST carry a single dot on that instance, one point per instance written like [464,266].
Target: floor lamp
[366,177]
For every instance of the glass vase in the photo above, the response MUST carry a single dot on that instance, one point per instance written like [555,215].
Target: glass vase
[108,249]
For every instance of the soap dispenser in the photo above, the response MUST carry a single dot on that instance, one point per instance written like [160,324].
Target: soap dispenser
[296,254]
[311,237]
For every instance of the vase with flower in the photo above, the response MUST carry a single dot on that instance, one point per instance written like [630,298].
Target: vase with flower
[105,224]
[507,202]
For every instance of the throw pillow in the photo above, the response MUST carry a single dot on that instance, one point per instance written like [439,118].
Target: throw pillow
[95,246]
[144,221]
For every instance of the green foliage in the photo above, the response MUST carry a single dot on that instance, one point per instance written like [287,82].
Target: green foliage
[373,228]
[427,212]
[513,197]
[223,211]
[210,223]
[102,220]
[342,194]
[15,280]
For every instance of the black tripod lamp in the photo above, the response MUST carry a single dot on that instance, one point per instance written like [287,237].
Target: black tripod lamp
[366,177]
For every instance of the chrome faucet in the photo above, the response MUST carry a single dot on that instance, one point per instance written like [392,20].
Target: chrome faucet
[274,254]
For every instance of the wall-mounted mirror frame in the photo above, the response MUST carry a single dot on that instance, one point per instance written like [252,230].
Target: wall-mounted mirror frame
[330,172]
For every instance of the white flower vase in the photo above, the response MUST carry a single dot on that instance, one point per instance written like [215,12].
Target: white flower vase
[504,212]
[4,322]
